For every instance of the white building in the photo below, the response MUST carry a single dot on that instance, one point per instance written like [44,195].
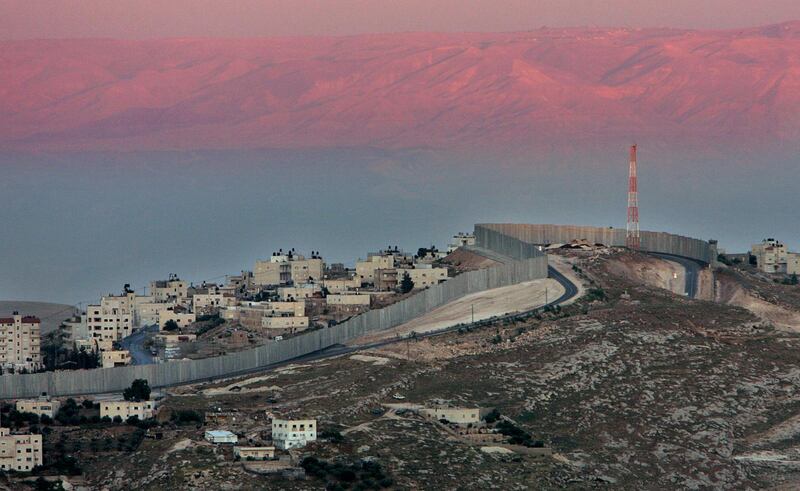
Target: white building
[293,433]
[221,436]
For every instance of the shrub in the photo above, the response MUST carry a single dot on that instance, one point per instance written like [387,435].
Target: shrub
[186,416]
[334,436]
[138,391]
[596,294]
[492,416]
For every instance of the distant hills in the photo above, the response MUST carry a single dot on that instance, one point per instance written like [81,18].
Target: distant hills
[402,90]
[51,314]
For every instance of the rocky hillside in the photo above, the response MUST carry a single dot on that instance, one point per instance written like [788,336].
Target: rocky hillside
[633,387]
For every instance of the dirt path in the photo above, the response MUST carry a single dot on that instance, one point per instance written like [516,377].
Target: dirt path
[486,304]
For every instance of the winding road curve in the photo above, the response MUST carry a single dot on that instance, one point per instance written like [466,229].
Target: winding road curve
[692,268]
[570,290]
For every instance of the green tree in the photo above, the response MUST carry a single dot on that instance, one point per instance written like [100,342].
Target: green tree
[171,325]
[406,285]
[138,391]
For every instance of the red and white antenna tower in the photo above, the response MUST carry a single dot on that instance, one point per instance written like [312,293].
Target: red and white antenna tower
[632,235]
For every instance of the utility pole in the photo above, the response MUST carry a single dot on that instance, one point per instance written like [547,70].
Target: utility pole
[473,313]
[545,296]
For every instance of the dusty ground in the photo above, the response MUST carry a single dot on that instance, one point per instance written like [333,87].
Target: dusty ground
[462,260]
[486,304]
[773,303]
[652,271]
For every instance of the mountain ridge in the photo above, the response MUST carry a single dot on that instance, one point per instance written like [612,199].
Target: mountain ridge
[402,90]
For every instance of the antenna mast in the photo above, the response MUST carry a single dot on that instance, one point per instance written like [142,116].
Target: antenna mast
[632,235]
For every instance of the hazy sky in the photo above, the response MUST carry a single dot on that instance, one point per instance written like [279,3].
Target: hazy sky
[25,19]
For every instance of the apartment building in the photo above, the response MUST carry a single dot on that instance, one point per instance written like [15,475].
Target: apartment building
[112,319]
[146,310]
[126,409]
[365,270]
[42,406]
[773,257]
[282,269]
[293,433]
[169,290]
[20,342]
[19,453]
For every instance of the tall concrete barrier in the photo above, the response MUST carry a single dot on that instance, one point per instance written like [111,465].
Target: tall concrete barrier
[530,264]
[699,250]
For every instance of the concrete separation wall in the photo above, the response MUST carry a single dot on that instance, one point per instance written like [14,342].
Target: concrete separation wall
[530,265]
[700,250]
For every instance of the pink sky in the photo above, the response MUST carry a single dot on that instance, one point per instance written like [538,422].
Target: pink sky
[26,19]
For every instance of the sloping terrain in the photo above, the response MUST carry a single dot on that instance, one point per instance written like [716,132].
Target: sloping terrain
[633,387]
[397,90]
[774,303]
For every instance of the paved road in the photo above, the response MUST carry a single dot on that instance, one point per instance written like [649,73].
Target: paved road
[135,344]
[692,268]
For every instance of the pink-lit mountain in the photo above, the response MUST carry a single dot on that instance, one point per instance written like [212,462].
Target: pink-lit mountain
[402,90]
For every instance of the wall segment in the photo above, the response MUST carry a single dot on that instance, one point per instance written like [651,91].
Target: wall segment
[699,250]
